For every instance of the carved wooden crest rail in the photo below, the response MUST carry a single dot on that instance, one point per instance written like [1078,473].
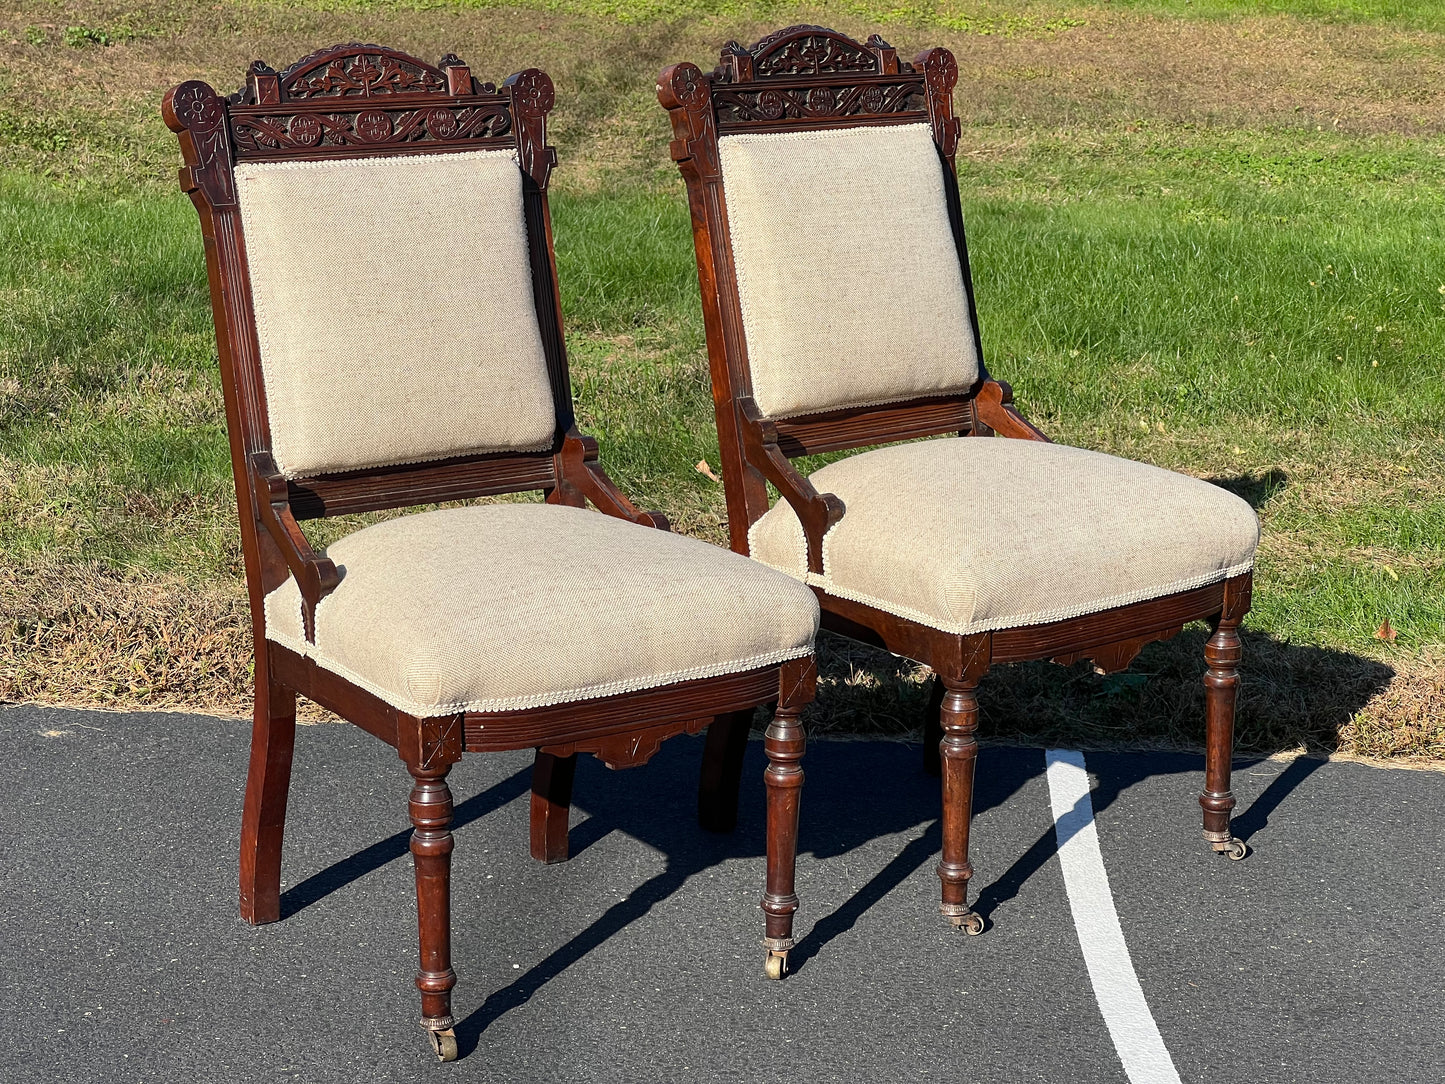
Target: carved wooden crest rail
[358,99]
[810,73]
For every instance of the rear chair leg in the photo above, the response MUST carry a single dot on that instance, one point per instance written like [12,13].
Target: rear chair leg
[933,730]
[431,850]
[551,802]
[958,751]
[722,771]
[783,742]
[263,820]
[1221,683]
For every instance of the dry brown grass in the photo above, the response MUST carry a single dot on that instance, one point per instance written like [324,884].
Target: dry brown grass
[1255,73]
[93,636]
[1116,69]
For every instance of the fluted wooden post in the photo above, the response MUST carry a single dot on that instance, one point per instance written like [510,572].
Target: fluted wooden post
[784,742]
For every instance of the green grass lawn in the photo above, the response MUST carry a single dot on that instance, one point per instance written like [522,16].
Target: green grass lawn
[1248,287]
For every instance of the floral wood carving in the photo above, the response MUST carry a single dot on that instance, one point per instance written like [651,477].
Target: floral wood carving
[264,134]
[532,93]
[196,110]
[683,87]
[799,51]
[940,73]
[368,72]
[740,104]
[532,98]
[356,71]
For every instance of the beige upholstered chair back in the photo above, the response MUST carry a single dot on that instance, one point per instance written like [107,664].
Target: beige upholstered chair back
[849,281]
[394,309]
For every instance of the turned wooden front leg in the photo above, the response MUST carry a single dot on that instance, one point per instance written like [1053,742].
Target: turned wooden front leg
[783,742]
[958,752]
[431,851]
[1221,684]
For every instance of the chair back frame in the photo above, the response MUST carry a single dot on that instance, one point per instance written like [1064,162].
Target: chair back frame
[351,101]
[803,78]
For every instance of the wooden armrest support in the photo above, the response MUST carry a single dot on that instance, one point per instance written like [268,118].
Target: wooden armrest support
[316,576]
[993,406]
[817,512]
[581,470]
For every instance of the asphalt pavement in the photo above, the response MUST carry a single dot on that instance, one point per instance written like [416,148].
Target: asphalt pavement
[122,957]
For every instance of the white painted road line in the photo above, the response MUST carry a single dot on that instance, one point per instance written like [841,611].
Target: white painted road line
[1116,986]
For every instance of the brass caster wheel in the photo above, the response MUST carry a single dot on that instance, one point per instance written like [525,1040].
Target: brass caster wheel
[777,965]
[971,923]
[1236,850]
[444,1044]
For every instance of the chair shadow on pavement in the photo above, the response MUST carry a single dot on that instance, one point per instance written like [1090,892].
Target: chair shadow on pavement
[397,845]
[1293,697]
[857,792]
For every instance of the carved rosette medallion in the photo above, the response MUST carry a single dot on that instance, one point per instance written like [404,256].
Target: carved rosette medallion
[771,104]
[688,85]
[741,103]
[373,125]
[532,94]
[305,131]
[940,65]
[442,123]
[821,101]
[197,107]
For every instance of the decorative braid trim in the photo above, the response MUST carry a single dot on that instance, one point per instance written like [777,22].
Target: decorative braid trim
[1039,617]
[539,700]
[263,330]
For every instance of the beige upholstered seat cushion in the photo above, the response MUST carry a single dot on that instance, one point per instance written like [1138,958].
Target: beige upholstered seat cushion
[972,533]
[393,303]
[848,276]
[509,606]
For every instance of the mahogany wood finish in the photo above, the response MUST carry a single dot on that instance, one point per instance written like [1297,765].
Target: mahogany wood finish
[551,800]
[783,742]
[812,78]
[717,792]
[365,100]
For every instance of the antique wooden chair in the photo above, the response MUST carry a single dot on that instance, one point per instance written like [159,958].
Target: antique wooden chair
[384,289]
[839,312]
